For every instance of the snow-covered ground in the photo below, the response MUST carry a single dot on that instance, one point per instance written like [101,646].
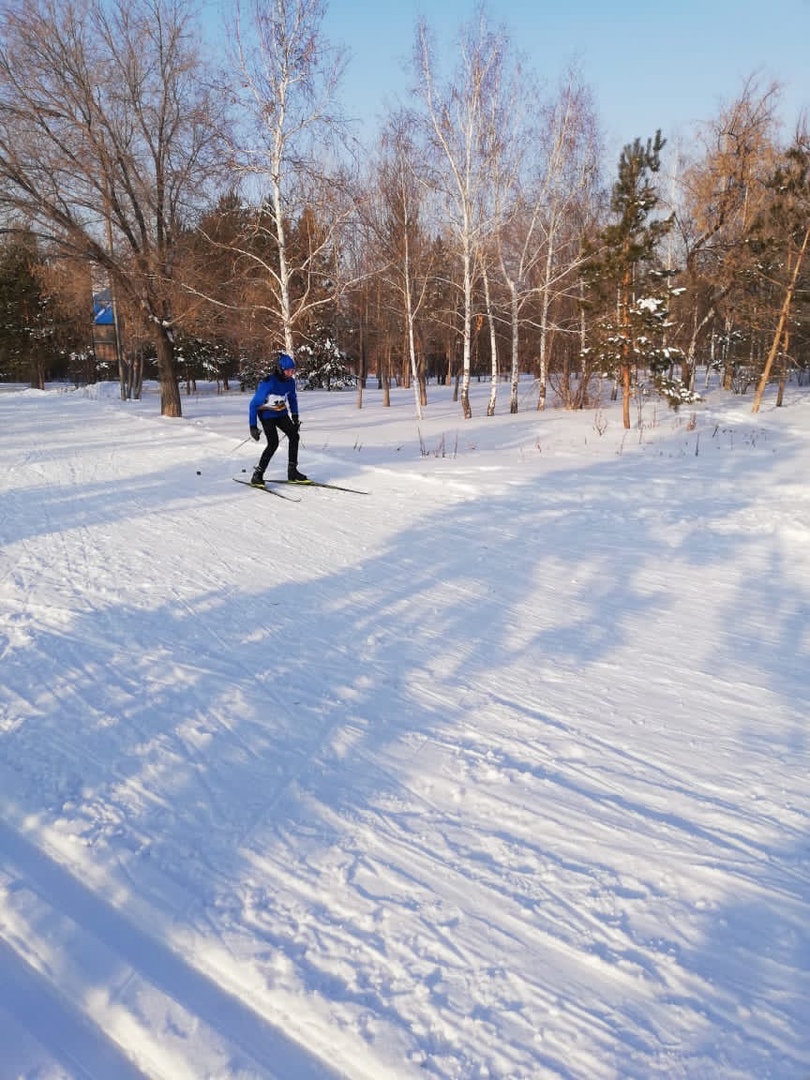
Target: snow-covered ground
[498,771]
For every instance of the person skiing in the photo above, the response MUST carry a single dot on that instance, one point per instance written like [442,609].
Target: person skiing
[274,394]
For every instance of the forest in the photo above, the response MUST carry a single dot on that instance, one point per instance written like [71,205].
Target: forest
[172,215]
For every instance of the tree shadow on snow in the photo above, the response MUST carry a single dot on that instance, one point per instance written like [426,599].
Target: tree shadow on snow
[363,782]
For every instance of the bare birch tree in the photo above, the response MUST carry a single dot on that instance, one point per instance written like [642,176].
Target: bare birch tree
[396,229]
[493,337]
[289,78]
[106,141]
[458,119]
[546,176]
[563,190]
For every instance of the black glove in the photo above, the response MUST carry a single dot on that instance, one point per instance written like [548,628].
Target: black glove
[296,421]
[255,433]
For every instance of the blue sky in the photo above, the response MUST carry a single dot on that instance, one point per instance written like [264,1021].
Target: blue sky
[650,64]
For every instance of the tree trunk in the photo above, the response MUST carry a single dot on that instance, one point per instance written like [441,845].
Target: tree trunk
[515,367]
[783,314]
[692,351]
[544,308]
[137,376]
[361,377]
[169,387]
[780,394]
[466,361]
[626,373]
[627,351]
[386,375]
[413,369]
[493,347]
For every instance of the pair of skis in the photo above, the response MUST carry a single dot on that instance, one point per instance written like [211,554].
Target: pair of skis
[296,483]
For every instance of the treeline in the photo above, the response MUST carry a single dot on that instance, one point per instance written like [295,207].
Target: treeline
[162,217]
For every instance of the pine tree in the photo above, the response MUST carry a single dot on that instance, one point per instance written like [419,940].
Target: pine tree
[322,365]
[626,285]
[39,338]
[21,312]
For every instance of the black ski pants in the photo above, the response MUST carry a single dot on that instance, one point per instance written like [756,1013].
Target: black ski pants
[272,425]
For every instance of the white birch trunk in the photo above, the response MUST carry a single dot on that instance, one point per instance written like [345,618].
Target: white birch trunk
[493,346]
[544,309]
[515,366]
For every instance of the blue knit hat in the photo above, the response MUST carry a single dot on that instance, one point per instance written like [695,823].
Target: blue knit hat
[285,362]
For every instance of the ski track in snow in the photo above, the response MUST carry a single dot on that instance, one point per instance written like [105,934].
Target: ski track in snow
[498,773]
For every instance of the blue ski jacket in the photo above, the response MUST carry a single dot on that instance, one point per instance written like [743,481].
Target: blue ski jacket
[273,395]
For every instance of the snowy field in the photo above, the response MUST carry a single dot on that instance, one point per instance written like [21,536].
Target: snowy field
[497,771]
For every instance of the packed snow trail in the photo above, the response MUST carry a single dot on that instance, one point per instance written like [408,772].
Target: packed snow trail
[499,772]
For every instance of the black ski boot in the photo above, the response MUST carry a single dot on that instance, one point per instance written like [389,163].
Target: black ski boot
[296,477]
[257,480]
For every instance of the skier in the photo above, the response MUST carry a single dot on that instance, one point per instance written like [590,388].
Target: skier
[269,404]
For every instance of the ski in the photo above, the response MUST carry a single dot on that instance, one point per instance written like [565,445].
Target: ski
[269,491]
[317,483]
